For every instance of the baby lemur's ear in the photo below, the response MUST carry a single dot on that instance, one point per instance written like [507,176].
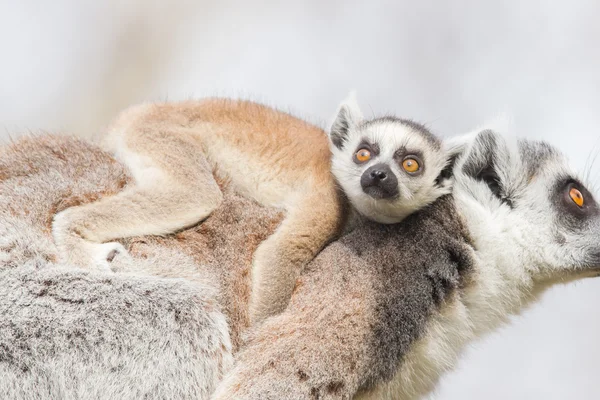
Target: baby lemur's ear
[347,117]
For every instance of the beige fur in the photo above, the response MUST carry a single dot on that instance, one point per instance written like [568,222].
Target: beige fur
[172,151]
[165,326]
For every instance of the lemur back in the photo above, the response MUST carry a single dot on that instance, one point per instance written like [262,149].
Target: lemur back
[175,151]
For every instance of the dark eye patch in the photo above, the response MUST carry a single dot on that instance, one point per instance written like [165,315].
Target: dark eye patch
[402,153]
[373,150]
[572,214]
[372,147]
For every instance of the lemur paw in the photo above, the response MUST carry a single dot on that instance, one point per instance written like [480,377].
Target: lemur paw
[106,255]
[93,256]
[75,247]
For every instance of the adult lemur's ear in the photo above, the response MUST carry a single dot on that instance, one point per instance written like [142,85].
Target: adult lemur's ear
[490,157]
[453,149]
[347,117]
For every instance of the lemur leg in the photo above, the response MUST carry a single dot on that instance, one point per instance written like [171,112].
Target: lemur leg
[280,259]
[173,188]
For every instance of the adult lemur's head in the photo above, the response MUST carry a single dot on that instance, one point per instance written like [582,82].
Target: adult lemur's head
[388,167]
[524,204]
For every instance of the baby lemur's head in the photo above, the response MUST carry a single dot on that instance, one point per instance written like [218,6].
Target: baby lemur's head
[388,167]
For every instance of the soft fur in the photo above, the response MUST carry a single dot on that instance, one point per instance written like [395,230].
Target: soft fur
[385,310]
[175,151]
[172,151]
[74,334]
[379,314]
[389,140]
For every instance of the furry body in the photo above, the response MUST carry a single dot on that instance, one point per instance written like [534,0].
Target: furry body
[172,151]
[67,333]
[369,314]
[385,310]
[379,314]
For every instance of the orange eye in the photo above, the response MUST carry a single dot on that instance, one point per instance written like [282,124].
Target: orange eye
[363,155]
[410,165]
[576,196]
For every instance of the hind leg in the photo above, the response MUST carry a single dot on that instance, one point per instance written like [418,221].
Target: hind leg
[81,232]
[174,188]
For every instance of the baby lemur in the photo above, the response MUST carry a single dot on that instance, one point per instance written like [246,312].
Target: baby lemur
[387,167]
[177,152]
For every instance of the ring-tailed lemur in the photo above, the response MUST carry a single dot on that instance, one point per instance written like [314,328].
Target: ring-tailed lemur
[385,310]
[387,167]
[173,150]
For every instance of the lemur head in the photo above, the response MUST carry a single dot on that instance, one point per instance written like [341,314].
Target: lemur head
[526,206]
[388,167]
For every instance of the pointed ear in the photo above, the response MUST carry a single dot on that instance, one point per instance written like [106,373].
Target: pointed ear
[486,147]
[487,158]
[347,117]
[453,149]
[456,146]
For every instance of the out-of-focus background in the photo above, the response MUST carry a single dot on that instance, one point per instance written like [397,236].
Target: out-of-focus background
[70,66]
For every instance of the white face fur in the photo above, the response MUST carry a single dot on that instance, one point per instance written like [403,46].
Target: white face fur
[528,211]
[531,223]
[387,167]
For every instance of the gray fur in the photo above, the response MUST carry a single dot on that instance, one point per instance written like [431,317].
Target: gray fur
[417,127]
[379,314]
[430,260]
[385,310]
[389,278]
[344,121]
[66,333]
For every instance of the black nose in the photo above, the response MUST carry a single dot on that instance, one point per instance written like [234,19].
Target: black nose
[379,182]
[378,175]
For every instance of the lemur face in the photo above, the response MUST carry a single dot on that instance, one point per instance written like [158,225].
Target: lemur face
[533,203]
[388,167]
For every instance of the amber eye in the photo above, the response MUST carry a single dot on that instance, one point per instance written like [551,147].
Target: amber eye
[363,155]
[410,165]
[576,196]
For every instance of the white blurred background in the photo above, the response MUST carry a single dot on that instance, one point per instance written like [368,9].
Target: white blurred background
[70,66]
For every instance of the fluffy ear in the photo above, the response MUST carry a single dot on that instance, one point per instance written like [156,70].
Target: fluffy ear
[487,158]
[347,117]
[453,149]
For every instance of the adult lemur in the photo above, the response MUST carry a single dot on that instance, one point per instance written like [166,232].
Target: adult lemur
[382,312]
[175,150]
